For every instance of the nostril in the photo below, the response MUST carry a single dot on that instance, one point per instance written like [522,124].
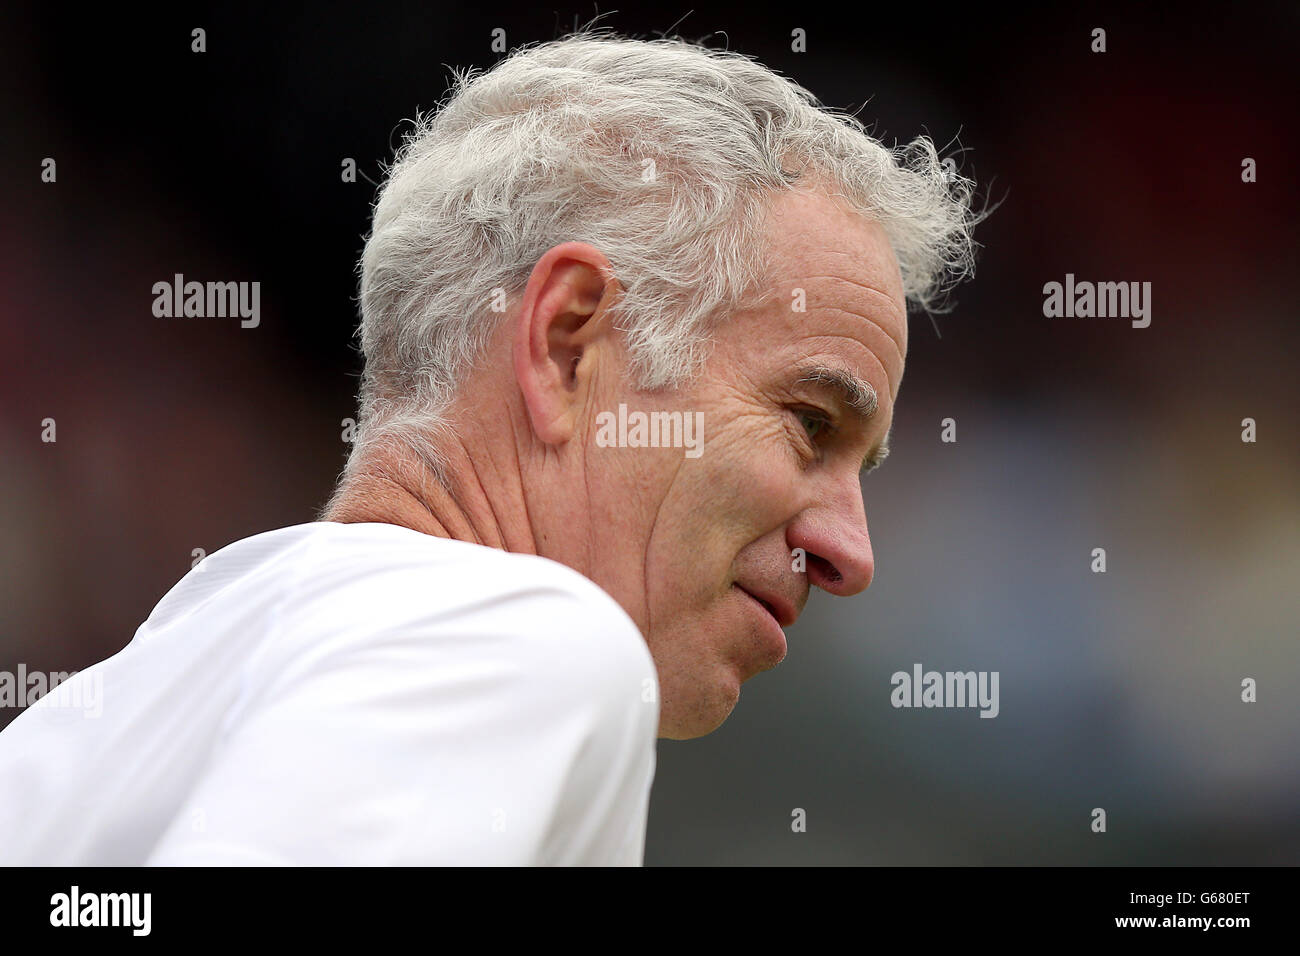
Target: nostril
[826,572]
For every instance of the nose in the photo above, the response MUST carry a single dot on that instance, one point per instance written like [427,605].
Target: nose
[833,535]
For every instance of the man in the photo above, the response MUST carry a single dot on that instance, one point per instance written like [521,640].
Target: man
[634,322]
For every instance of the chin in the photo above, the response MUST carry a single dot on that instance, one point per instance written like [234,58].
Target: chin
[707,710]
[702,661]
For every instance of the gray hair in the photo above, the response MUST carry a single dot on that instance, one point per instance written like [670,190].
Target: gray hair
[664,155]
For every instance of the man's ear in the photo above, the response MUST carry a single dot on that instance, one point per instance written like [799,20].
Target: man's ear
[564,312]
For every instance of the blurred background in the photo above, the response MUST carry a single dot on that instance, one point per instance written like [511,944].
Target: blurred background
[1119,690]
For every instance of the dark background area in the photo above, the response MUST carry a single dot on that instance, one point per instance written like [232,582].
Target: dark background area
[1118,690]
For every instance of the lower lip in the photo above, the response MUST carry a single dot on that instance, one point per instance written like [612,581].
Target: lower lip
[771,627]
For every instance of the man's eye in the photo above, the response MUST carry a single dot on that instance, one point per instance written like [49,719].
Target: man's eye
[812,422]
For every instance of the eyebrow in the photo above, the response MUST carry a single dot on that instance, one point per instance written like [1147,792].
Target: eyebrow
[855,394]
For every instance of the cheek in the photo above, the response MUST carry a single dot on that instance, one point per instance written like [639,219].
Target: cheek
[739,490]
[752,477]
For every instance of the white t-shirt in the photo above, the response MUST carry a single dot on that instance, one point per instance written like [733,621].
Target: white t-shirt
[358,694]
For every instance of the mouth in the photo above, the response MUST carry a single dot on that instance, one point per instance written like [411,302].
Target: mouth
[780,611]
[767,607]
[774,645]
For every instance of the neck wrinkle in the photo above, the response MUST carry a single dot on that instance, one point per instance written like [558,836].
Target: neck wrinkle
[462,509]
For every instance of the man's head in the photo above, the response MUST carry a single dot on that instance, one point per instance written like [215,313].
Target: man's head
[640,307]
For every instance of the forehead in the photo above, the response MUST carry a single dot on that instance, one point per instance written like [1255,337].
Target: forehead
[833,290]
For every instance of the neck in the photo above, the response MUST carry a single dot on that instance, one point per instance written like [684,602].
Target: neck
[398,489]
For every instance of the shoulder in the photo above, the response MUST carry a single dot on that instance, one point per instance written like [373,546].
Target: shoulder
[456,703]
[375,595]
[405,575]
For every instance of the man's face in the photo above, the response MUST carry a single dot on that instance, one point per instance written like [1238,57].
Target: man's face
[707,561]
